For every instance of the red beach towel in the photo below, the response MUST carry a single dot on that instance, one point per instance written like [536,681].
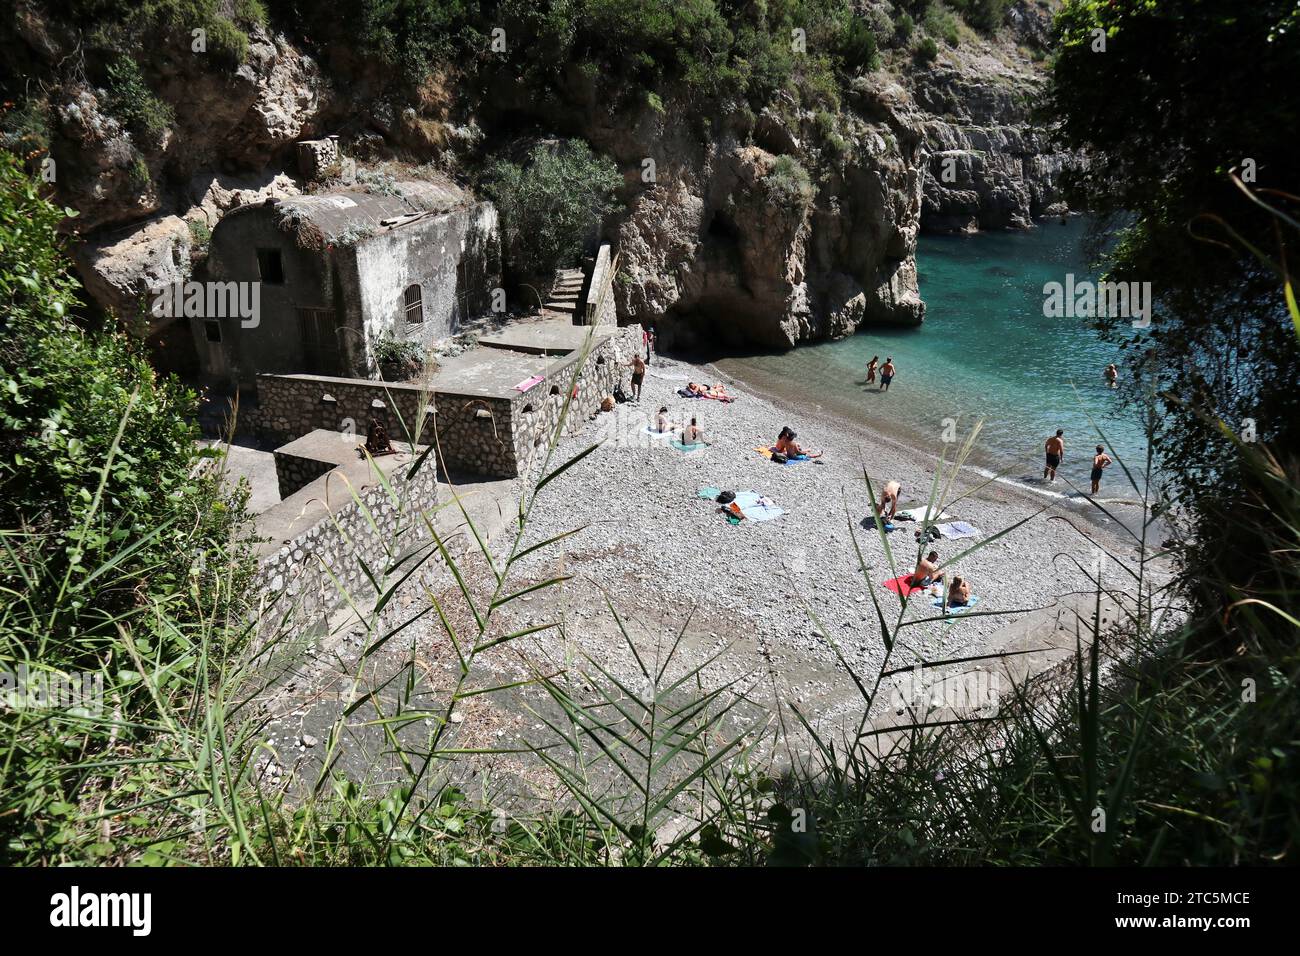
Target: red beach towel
[903,586]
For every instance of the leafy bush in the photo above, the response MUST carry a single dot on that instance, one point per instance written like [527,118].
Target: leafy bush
[64,395]
[927,51]
[940,23]
[25,127]
[398,359]
[551,203]
[984,15]
[134,104]
[790,183]
[904,26]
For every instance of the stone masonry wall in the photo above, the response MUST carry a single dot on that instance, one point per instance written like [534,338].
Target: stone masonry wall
[293,472]
[290,406]
[295,579]
[501,443]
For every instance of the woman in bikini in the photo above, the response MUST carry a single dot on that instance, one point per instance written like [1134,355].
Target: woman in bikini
[871,369]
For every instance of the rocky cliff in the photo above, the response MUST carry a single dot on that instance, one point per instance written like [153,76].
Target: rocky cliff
[768,229]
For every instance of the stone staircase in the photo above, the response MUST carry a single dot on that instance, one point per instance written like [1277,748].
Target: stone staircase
[565,292]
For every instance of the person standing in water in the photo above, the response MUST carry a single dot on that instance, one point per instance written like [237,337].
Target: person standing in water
[1055,449]
[871,369]
[1112,375]
[886,374]
[1100,461]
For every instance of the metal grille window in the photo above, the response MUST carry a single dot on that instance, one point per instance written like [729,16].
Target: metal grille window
[414,304]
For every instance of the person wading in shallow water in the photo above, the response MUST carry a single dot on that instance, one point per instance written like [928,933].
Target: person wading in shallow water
[871,369]
[886,374]
[1100,461]
[1055,449]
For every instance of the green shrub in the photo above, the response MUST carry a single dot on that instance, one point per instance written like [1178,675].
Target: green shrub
[551,203]
[134,104]
[64,393]
[940,23]
[927,51]
[25,128]
[790,183]
[904,26]
[984,15]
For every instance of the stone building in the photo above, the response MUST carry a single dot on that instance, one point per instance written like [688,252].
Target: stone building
[336,273]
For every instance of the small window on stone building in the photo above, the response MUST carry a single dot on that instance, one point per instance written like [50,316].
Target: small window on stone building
[414,304]
[212,328]
[270,268]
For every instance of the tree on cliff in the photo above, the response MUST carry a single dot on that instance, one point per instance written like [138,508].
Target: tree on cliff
[1170,101]
[551,204]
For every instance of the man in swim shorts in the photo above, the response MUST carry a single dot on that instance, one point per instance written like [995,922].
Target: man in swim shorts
[1100,460]
[886,374]
[638,374]
[1055,449]
[927,571]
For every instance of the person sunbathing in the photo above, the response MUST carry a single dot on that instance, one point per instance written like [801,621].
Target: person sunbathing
[693,435]
[889,500]
[927,571]
[662,424]
[958,592]
[786,445]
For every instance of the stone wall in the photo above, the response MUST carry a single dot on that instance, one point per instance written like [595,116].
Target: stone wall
[483,435]
[293,472]
[290,406]
[601,306]
[321,530]
[533,421]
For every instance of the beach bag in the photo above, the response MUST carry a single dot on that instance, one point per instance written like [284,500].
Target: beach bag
[620,396]
[726,497]
[779,458]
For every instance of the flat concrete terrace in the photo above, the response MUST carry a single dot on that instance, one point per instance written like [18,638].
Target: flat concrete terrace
[512,356]
[551,337]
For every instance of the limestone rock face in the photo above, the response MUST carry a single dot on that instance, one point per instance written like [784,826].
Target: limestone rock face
[120,271]
[98,169]
[736,243]
[988,166]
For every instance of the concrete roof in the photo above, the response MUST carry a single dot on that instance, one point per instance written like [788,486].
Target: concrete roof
[556,337]
[357,211]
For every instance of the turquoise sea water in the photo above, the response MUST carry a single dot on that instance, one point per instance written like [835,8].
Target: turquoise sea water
[984,351]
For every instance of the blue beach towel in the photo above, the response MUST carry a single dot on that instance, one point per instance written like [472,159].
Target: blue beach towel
[957,529]
[751,508]
[687,449]
[938,602]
